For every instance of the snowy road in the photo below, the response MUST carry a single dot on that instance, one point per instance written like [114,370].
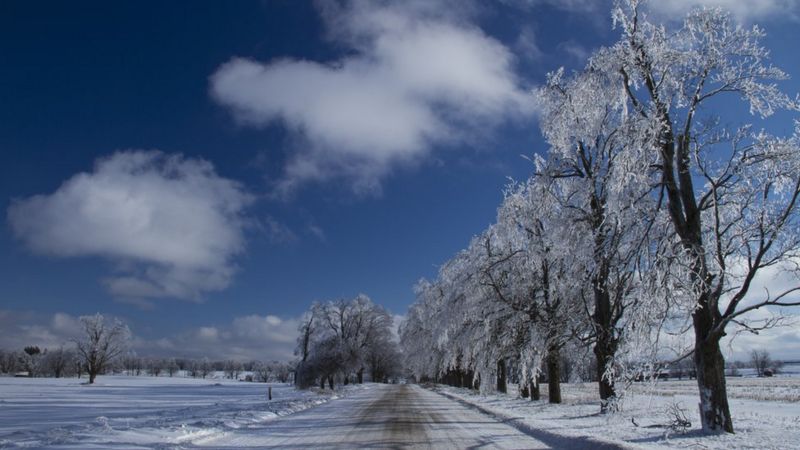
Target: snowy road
[392,416]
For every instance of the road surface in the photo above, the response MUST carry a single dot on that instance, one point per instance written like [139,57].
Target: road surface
[392,417]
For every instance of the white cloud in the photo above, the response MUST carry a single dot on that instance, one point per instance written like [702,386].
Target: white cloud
[415,74]
[573,6]
[170,224]
[243,338]
[317,232]
[252,337]
[21,329]
[743,10]
[278,232]
[575,50]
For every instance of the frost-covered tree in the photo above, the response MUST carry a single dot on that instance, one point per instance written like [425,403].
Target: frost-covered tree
[730,194]
[205,367]
[335,339]
[103,341]
[543,269]
[504,303]
[30,359]
[171,366]
[600,185]
[232,369]
[57,361]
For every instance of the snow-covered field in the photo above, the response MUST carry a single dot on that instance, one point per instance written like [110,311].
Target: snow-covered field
[162,412]
[766,414]
[130,412]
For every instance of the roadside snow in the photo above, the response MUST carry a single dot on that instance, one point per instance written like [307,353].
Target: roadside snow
[766,414]
[131,412]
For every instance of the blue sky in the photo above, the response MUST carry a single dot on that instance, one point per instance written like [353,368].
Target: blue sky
[197,168]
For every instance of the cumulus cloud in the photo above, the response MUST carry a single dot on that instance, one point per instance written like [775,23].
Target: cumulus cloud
[170,224]
[415,72]
[252,337]
[21,329]
[744,11]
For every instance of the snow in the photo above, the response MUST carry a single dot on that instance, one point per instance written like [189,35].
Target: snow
[139,412]
[146,412]
[394,416]
[766,413]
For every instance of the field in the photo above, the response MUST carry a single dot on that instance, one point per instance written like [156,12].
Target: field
[163,412]
[766,413]
[122,411]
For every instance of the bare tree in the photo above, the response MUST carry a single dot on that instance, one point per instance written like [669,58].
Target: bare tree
[232,369]
[205,367]
[761,361]
[58,360]
[103,341]
[155,366]
[171,367]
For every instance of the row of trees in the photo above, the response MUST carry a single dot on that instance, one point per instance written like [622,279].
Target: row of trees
[341,340]
[103,347]
[35,362]
[647,213]
[262,371]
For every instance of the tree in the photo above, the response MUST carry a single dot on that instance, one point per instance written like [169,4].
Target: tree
[171,366]
[30,359]
[205,367]
[761,361]
[546,284]
[232,369]
[155,366]
[335,338]
[730,195]
[594,184]
[58,360]
[303,376]
[103,341]
[9,361]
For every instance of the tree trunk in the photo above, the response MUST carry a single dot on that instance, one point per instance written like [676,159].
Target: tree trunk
[605,346]
[322,383]
[536,394]
[92,376]
[604,351]
[715,414]
[523,390]
[330,381]
[554,374]
[501,375]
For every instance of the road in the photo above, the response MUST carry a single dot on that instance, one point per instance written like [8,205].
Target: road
[392,417]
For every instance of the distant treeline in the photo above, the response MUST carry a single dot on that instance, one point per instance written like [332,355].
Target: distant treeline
[59,362]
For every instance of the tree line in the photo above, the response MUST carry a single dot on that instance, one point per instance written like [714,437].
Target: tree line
[648,213]
[103,347]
